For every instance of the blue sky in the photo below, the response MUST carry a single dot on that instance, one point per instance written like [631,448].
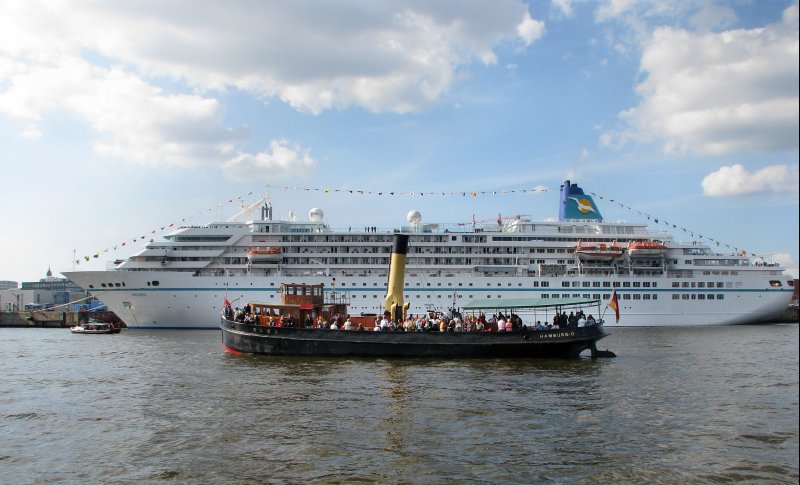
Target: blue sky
[118,119]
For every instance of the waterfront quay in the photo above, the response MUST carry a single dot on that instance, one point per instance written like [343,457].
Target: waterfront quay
[51,319]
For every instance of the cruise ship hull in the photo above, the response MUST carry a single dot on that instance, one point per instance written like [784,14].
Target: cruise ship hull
[183,301]
[183,280]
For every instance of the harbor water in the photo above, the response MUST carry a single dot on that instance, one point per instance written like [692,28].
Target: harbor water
[678,405]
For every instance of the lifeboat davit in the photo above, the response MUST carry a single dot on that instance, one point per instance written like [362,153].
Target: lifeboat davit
[646,249]
[264,255]
[598,251]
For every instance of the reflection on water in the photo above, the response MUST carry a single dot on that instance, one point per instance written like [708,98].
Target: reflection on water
[676,405]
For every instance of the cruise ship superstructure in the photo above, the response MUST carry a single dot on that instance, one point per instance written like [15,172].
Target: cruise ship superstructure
[182,280]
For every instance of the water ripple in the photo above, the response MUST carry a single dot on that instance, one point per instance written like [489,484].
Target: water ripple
[715,405]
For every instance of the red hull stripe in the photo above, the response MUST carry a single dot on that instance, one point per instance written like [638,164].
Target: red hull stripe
[230,350]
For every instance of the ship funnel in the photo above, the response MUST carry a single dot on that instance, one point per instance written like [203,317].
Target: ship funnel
[397,269]
[577,205]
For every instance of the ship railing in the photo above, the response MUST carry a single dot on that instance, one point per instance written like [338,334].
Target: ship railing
[338,298]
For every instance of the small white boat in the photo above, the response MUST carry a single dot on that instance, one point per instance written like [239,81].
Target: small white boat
[94,327]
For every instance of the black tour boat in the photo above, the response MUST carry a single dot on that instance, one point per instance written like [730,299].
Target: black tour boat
[262,334]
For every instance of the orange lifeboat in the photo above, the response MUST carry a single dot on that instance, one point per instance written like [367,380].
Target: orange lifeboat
[264,255]
[646,249]
[598,251]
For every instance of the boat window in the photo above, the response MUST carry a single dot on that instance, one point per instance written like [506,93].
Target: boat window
[775,283]
[156,283]
[103,285]
[790,283]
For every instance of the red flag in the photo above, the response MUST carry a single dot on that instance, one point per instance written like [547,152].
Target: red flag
[227,303]
[614,304]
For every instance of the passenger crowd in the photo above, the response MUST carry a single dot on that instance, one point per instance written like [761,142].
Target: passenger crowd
[450,321]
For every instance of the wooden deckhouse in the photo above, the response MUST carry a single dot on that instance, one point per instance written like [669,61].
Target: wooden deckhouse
[299,301]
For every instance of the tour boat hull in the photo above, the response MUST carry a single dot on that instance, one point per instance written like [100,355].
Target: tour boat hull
[258,339]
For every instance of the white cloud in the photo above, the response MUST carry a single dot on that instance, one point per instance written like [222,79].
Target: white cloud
[280,160]
[108,64]
[530,29]
[31,133]
[718,93]
[713,16]
[564,7]
[133,120]
[786,260]
[380,56]
[735,180]
[614,8]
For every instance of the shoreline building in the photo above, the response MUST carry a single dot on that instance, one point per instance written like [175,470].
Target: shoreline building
[48,292]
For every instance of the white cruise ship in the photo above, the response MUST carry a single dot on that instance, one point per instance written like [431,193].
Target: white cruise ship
[182,281]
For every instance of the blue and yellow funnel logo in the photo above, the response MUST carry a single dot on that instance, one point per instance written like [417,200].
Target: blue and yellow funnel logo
[584,206]
[575,205]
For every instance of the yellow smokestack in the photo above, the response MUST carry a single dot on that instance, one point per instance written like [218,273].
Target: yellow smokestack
[397,269]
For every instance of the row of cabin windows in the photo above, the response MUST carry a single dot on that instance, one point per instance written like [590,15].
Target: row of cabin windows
[596,296]
[609,284]
[699,296]
[703,284]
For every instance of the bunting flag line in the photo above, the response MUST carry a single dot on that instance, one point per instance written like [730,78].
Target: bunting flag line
[323,190]
[668,224]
